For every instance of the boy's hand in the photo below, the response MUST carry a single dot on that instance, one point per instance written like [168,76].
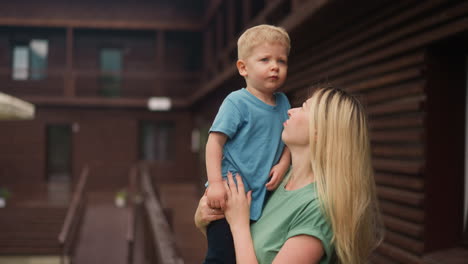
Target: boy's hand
[216,195]
[276,176]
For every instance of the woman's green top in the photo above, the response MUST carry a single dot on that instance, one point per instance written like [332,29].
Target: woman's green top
[287,214]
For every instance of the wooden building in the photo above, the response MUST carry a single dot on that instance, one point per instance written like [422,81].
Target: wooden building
[91,66]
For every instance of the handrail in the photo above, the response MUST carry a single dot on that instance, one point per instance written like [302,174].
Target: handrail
[131,224]
[76,204]
[164,243]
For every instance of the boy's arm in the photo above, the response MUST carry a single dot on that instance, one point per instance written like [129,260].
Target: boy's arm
[278,171]
[214,154]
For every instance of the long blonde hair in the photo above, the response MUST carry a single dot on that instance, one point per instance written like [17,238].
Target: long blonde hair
[341,163]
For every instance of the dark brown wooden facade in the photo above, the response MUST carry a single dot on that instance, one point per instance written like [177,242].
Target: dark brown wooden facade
[406,59]
[159,43]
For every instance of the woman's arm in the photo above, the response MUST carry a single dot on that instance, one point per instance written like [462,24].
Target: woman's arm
[297,249]
[204,214]
[300,249]
[237,213]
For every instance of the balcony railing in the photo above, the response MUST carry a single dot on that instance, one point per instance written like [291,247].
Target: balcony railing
[96,83]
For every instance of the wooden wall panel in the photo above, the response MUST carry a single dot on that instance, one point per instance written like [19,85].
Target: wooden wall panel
[121,11]
[22,155]
[106,140]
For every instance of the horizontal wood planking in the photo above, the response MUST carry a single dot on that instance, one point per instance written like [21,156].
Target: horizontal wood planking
[402,256]
[397,107]
[400,181]
[375,24]
[415,120]
[407,135]
[378,258]
[403,227]
[394,92]
[398,166]
[401,196]
[408,213]
[410,244]
[367,54]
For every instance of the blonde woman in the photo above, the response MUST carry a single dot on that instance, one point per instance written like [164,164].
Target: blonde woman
[325,211]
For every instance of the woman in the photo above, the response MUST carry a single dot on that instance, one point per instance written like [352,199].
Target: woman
[325,211]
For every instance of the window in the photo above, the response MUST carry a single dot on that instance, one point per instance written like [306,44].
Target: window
[111,69]
[30,60]
[157,140]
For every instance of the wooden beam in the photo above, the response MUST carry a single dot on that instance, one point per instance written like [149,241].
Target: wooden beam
[211,11]
[160,49]
[219,33]
[98,102]
[69,77]
[246,12]
[230,20]
[296,4]
[104,24]
[228,72]
[207,49]
[308,10]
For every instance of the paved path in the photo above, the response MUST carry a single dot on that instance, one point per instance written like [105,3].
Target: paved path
[102,238]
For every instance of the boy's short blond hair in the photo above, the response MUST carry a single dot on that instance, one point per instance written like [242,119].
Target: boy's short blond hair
[261,34]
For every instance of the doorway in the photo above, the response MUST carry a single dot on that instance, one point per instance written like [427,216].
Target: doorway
[59,163]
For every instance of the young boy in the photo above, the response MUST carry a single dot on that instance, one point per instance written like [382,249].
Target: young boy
[245,137]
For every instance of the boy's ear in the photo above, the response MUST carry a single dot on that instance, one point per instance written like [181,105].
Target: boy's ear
[241,67]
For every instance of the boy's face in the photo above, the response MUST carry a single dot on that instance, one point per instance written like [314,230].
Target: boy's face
[266,68]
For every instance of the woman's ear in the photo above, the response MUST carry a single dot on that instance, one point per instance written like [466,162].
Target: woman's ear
[242,68]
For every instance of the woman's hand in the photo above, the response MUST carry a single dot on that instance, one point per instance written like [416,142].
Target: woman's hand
[237,210]
[205,215]
[237,213]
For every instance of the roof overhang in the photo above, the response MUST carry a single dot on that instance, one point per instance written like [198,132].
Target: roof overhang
[15,108]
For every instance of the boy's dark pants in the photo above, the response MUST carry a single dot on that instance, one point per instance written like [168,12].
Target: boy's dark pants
[220,243]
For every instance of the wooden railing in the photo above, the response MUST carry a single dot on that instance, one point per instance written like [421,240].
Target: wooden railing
[96,83]
[133,192]
[160,245]
[70,229]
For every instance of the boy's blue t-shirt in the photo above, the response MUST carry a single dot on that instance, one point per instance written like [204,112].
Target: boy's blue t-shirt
[254,142]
